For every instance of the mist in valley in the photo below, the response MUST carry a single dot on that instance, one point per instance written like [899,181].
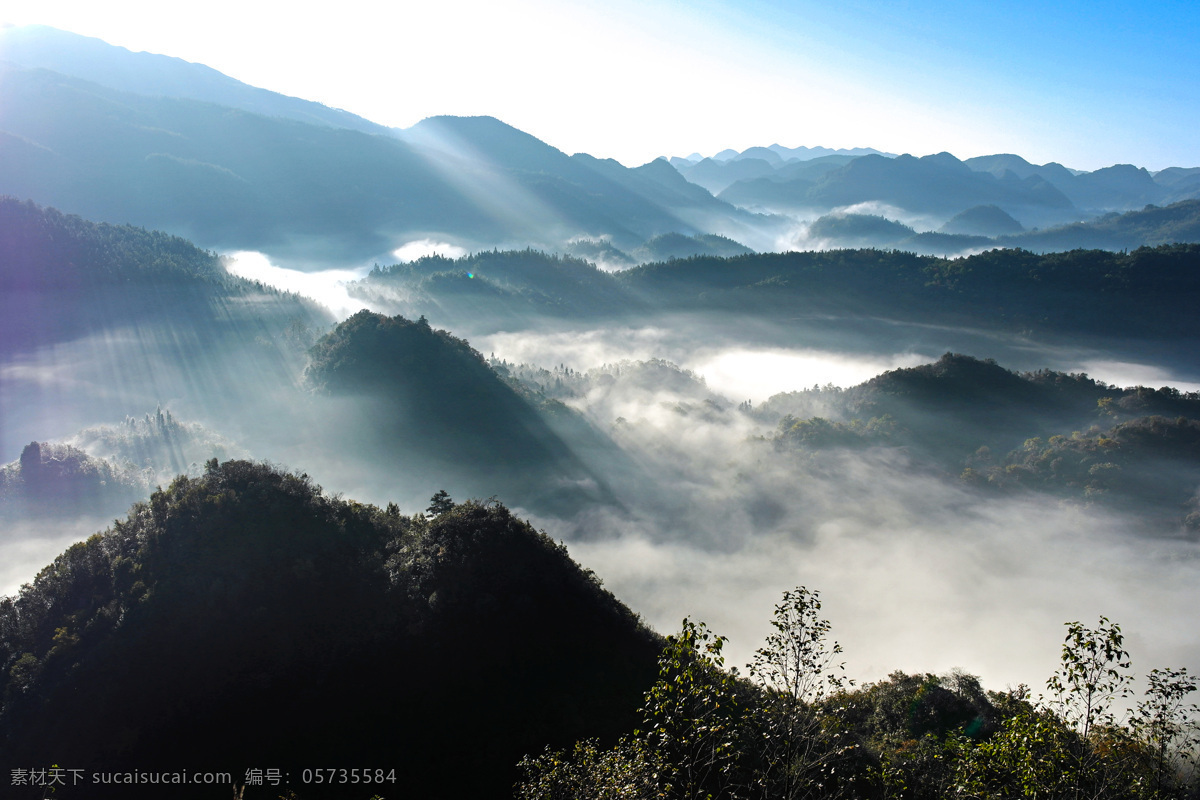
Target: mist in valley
[690,506]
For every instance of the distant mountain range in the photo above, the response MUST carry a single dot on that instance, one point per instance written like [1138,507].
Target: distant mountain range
[985,227]
[761,179]
[162,143]
[155,141]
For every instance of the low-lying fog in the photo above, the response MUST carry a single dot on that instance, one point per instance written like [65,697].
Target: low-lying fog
[917,572]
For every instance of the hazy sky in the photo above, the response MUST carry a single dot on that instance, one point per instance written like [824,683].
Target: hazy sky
[1087,84]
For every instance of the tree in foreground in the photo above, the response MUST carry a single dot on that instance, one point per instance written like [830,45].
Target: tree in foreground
[797,731]
[800,739]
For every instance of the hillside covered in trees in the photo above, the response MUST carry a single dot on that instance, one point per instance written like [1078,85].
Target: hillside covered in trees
[246,619]
[1147,292]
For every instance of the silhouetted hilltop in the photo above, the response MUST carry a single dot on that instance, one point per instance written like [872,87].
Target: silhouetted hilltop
[244,619]
[1135,448]
[858,230]
[57,480]
[427,404]
[982,221]
[675,245]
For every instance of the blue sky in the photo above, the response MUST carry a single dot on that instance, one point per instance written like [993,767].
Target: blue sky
[1085,84]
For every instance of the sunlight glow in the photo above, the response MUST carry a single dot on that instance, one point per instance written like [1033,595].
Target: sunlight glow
[327,287]
[419,248]
[758,374]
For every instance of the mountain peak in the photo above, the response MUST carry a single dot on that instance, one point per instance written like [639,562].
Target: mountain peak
[150,74]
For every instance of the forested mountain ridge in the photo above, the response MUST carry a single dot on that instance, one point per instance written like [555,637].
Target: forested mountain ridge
[45,249]
[1135,449]
[509,285]
[1146,292]
[1152,225]
[328,629]
[63,276]
[428,405]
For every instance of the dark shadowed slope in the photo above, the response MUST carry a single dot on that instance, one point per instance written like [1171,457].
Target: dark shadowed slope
[246,620]
[429,407]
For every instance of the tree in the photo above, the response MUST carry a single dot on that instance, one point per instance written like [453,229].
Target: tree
[1026,758]
[440,503]
[1167,726]
[798,668]
[691,716]
[1093,674]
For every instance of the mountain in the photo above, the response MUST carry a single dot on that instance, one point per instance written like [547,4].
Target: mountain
[1136,449]
[811,153]
[935,184]
[427,407]
[64,277]
[1146,292]
[1053,173]
[42,47]
[1149,226]
[223,178]
[769,193]
[1120,187]
[328,631]
[123,137]
[673,245]
[858,230]
[510,287]
[718,176]
[984,227]
[982,221]
[1049,194]
[101,321]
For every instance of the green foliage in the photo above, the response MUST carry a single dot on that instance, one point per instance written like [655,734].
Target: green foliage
[800,731]
[439,504]
[1094,673]
[691,715]
[803,738]
[627,771]
[1169,727]
[1028,758]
